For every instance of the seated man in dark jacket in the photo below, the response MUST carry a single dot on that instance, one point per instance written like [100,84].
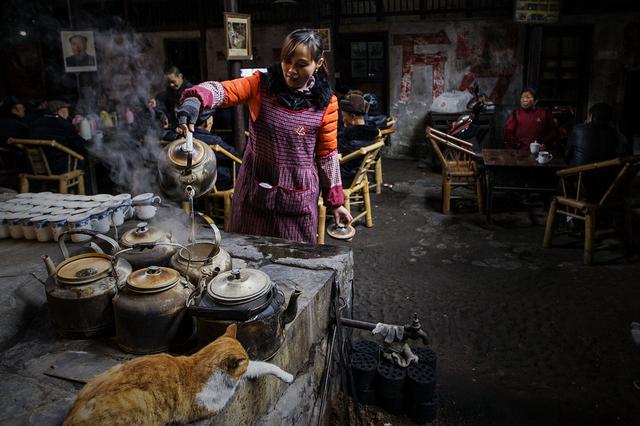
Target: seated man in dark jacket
[204,124]
[593,141]
[55,125]
[12,122]
[355,134]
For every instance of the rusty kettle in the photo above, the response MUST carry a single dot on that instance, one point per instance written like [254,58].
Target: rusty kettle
[202,257]
[79,290]
[188,162]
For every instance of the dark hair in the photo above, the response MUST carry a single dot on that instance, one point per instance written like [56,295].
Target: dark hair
[172,69]
[306,37]
[531,90]
[601,112]
[79,36]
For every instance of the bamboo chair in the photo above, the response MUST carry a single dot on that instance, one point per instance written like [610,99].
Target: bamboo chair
[376,170]
[571,204]
[459,168]
[40,170]
[225,195]
[358,191]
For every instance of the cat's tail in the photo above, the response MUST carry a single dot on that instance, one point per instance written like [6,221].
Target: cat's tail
[257,369]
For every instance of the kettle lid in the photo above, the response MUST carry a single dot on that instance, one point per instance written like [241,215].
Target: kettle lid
[239,286]
[84,268]
[178,156]
[152,279]
[143,233]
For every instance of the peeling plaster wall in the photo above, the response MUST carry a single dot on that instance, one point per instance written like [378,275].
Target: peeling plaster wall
[427,58]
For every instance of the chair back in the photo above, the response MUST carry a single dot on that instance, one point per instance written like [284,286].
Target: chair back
[623,180]
[450,150]
[368,154]
[236,162]
[33,148]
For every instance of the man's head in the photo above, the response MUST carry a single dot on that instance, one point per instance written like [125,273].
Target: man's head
[12,106]
[78,44]
[353,107]
[600,113]
[205,120]
[59,108]
[173,78]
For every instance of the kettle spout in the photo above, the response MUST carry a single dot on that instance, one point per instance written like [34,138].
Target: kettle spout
[51,267]
[292,307]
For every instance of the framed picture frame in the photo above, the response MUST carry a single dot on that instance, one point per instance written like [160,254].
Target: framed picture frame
[325,35]
[237,32]
[78,51]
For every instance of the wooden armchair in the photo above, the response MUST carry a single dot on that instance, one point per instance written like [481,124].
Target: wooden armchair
[376,170]
[222,194]
[571,202]
[459,167]
[41,171]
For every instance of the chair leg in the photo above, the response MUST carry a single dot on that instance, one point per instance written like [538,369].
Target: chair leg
[62,185]
[479,194]
[24,184]
[81,185]
[627,228]
[589,228]
[551,221]
[347,202]
[378,176]
[322,221]
[227,213]
[446,195]
[367,206]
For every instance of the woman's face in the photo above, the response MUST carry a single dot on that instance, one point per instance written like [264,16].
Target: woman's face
[527,100]
[299,68]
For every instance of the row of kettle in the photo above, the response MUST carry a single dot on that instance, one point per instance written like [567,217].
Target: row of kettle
[132,291]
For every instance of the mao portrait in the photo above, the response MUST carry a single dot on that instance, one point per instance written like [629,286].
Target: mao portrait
[78,49]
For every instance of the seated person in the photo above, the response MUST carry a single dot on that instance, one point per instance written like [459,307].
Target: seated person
[355,134]
[56,125]
[595,140]
[12,121]
[373,117]
[529,123]
[202,131]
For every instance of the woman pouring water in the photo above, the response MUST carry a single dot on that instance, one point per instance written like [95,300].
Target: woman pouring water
[292,150]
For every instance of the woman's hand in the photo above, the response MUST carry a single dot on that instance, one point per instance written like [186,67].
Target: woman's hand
[187,114]
[342,215]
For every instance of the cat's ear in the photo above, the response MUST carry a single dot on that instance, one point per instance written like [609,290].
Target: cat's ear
[231,331]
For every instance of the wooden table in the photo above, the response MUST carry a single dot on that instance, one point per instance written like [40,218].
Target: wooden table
[518,170]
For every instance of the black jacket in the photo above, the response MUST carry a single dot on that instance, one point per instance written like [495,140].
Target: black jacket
[589,143]
[351,139]
[63,132]
[169,99]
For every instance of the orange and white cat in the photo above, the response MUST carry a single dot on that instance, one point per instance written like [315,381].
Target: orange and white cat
[161,389]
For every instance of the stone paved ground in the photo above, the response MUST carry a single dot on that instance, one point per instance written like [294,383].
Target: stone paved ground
[524,335]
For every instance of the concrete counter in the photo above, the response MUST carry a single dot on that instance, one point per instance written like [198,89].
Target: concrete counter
[41,373]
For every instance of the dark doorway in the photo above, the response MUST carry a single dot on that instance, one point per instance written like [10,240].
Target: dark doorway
[184,54]
[629,123]
[361,60]
[563,67]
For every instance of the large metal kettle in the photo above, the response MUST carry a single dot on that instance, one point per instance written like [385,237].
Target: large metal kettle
[202,257]
[79,290]
[188,162]
[149,248]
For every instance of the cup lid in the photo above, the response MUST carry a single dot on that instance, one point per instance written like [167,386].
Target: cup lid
[80,217]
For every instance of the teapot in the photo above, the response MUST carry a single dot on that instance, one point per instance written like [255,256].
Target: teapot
[149,246]
[189,162]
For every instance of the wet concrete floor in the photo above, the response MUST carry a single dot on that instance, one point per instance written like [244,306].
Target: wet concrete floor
[524,335]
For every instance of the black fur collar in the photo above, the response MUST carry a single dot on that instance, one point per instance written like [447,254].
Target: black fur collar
[320,92]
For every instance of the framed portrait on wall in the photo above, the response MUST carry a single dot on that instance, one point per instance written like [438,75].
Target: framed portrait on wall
[237,31]
[78,51]
[325,35]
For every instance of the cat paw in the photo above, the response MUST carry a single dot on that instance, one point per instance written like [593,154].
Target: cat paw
[287,377]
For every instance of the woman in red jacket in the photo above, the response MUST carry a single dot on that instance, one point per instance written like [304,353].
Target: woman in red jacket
[292,150]
[530,123]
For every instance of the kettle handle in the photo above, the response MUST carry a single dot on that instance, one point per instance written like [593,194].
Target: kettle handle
[217,238]
[115,247]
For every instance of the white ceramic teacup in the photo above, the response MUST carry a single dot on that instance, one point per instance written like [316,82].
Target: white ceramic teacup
[57,225]
[544,157]
[534,147]
[4,226]
[145,205]
[100,219]
[80,221]
[41,226]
